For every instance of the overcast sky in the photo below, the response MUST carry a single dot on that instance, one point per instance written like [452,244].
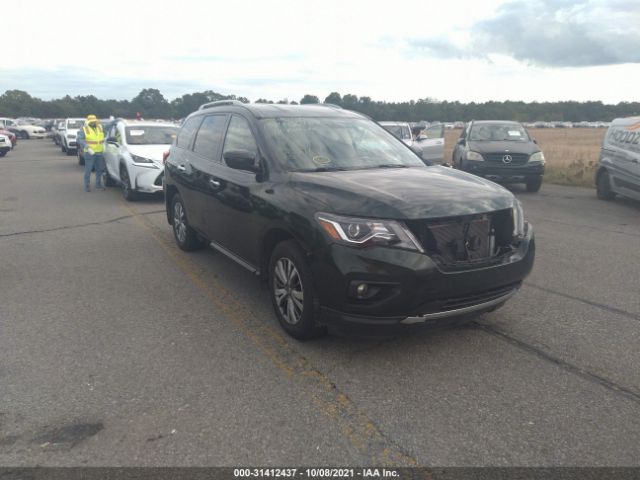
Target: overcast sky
[542,50]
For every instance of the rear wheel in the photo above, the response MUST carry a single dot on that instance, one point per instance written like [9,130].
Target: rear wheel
[534,184]
[292,293]
[603,186]
[186,237]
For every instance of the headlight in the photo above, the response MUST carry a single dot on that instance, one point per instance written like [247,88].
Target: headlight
[137,159]
[474,156]
[518,220]
[361,232]
[537,157]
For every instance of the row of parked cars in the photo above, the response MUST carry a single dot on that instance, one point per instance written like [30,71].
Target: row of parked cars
[348,227]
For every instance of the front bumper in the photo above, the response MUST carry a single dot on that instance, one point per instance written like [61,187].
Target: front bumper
[414,291]
[38,135]
[511,173]
[146,179]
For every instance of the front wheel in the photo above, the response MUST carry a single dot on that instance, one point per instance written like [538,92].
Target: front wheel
[186,237]
[24,135]
[603,186]
[292,293]
[127,192]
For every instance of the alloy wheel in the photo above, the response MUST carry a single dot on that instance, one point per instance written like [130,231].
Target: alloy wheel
[179,222]
[288,290]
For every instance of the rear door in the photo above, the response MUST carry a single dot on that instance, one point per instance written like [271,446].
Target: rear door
[622,149]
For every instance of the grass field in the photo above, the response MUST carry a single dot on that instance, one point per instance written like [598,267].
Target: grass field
[571,153]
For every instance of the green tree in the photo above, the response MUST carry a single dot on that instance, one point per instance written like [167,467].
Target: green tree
[307,99]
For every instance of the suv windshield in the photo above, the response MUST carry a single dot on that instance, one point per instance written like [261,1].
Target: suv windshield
[75,124]
[318,144]
[498,132]
[151,135]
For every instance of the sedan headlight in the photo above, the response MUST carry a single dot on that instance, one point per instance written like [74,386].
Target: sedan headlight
[537,157]
[138,159]
[362,232]
[474,156]
[518,220]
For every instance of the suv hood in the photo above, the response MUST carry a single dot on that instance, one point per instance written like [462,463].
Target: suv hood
[503,146]
[152,152]
[404,193]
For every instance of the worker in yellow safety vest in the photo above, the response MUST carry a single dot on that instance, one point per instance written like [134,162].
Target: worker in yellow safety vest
[93,152]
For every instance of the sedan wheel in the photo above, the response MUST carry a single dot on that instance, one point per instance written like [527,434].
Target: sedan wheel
[288,291]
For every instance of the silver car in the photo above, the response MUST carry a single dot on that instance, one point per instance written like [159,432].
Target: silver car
[619,162]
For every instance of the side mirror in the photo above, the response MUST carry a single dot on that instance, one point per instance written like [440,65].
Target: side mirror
[113,140]
[241,160]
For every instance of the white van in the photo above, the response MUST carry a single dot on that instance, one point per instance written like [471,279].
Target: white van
[619,162]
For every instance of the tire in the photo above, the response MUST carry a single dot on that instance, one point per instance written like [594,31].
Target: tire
[70,151]
[24,135]
[108,181]
[186,237]
[3,153]
[534,184]
[603,186]
[125,183]
[292,292]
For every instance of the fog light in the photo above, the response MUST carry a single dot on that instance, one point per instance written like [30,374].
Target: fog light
[361,290]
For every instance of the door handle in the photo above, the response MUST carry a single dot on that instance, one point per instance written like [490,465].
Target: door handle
[182,168]
[214,183]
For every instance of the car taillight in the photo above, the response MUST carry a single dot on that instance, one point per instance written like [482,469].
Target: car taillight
[165,155]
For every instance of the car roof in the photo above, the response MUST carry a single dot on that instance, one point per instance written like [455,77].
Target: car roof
[267,110]
[395,123]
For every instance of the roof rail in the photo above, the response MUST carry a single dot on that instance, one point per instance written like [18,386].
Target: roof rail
[330,105]
[220,103]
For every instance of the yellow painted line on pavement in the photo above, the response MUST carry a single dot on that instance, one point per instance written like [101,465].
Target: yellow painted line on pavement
[360,430]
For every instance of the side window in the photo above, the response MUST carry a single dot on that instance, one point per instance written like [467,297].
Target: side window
[209,136]
[239,136]
[186,132]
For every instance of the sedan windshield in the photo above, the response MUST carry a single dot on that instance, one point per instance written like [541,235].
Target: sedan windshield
[151,135]
[324,144]
[498,132]
[398,131]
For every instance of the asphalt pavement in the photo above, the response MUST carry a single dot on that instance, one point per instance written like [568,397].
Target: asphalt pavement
[117,348]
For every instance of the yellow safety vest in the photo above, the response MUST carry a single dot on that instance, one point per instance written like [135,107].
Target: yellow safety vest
[94,138]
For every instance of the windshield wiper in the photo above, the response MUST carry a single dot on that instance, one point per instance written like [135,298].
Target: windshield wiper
[322,169]
[391,165]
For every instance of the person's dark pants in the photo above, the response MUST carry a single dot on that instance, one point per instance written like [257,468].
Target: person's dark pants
[90,162]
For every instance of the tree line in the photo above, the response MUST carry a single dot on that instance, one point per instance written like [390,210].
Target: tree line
[150,103]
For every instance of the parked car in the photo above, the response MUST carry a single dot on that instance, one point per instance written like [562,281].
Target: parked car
[400,130]
[5,145]
[348,227]
[619,163]
[501,151]
[68,134]
[27,131]
[431,143]
[58,131]
[12,137]
[133,155]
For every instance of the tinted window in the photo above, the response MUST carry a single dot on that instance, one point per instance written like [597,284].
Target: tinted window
[209,136]
[186,132]
[239,136]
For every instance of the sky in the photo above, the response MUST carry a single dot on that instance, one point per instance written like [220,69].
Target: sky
[480,50]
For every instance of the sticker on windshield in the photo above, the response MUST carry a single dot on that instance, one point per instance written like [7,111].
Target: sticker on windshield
[320,160]
[136,133]
[514,133]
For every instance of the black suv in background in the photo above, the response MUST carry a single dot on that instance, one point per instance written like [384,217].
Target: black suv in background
[346,224]
[501,151]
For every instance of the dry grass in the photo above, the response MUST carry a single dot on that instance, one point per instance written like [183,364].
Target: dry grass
[571,153]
